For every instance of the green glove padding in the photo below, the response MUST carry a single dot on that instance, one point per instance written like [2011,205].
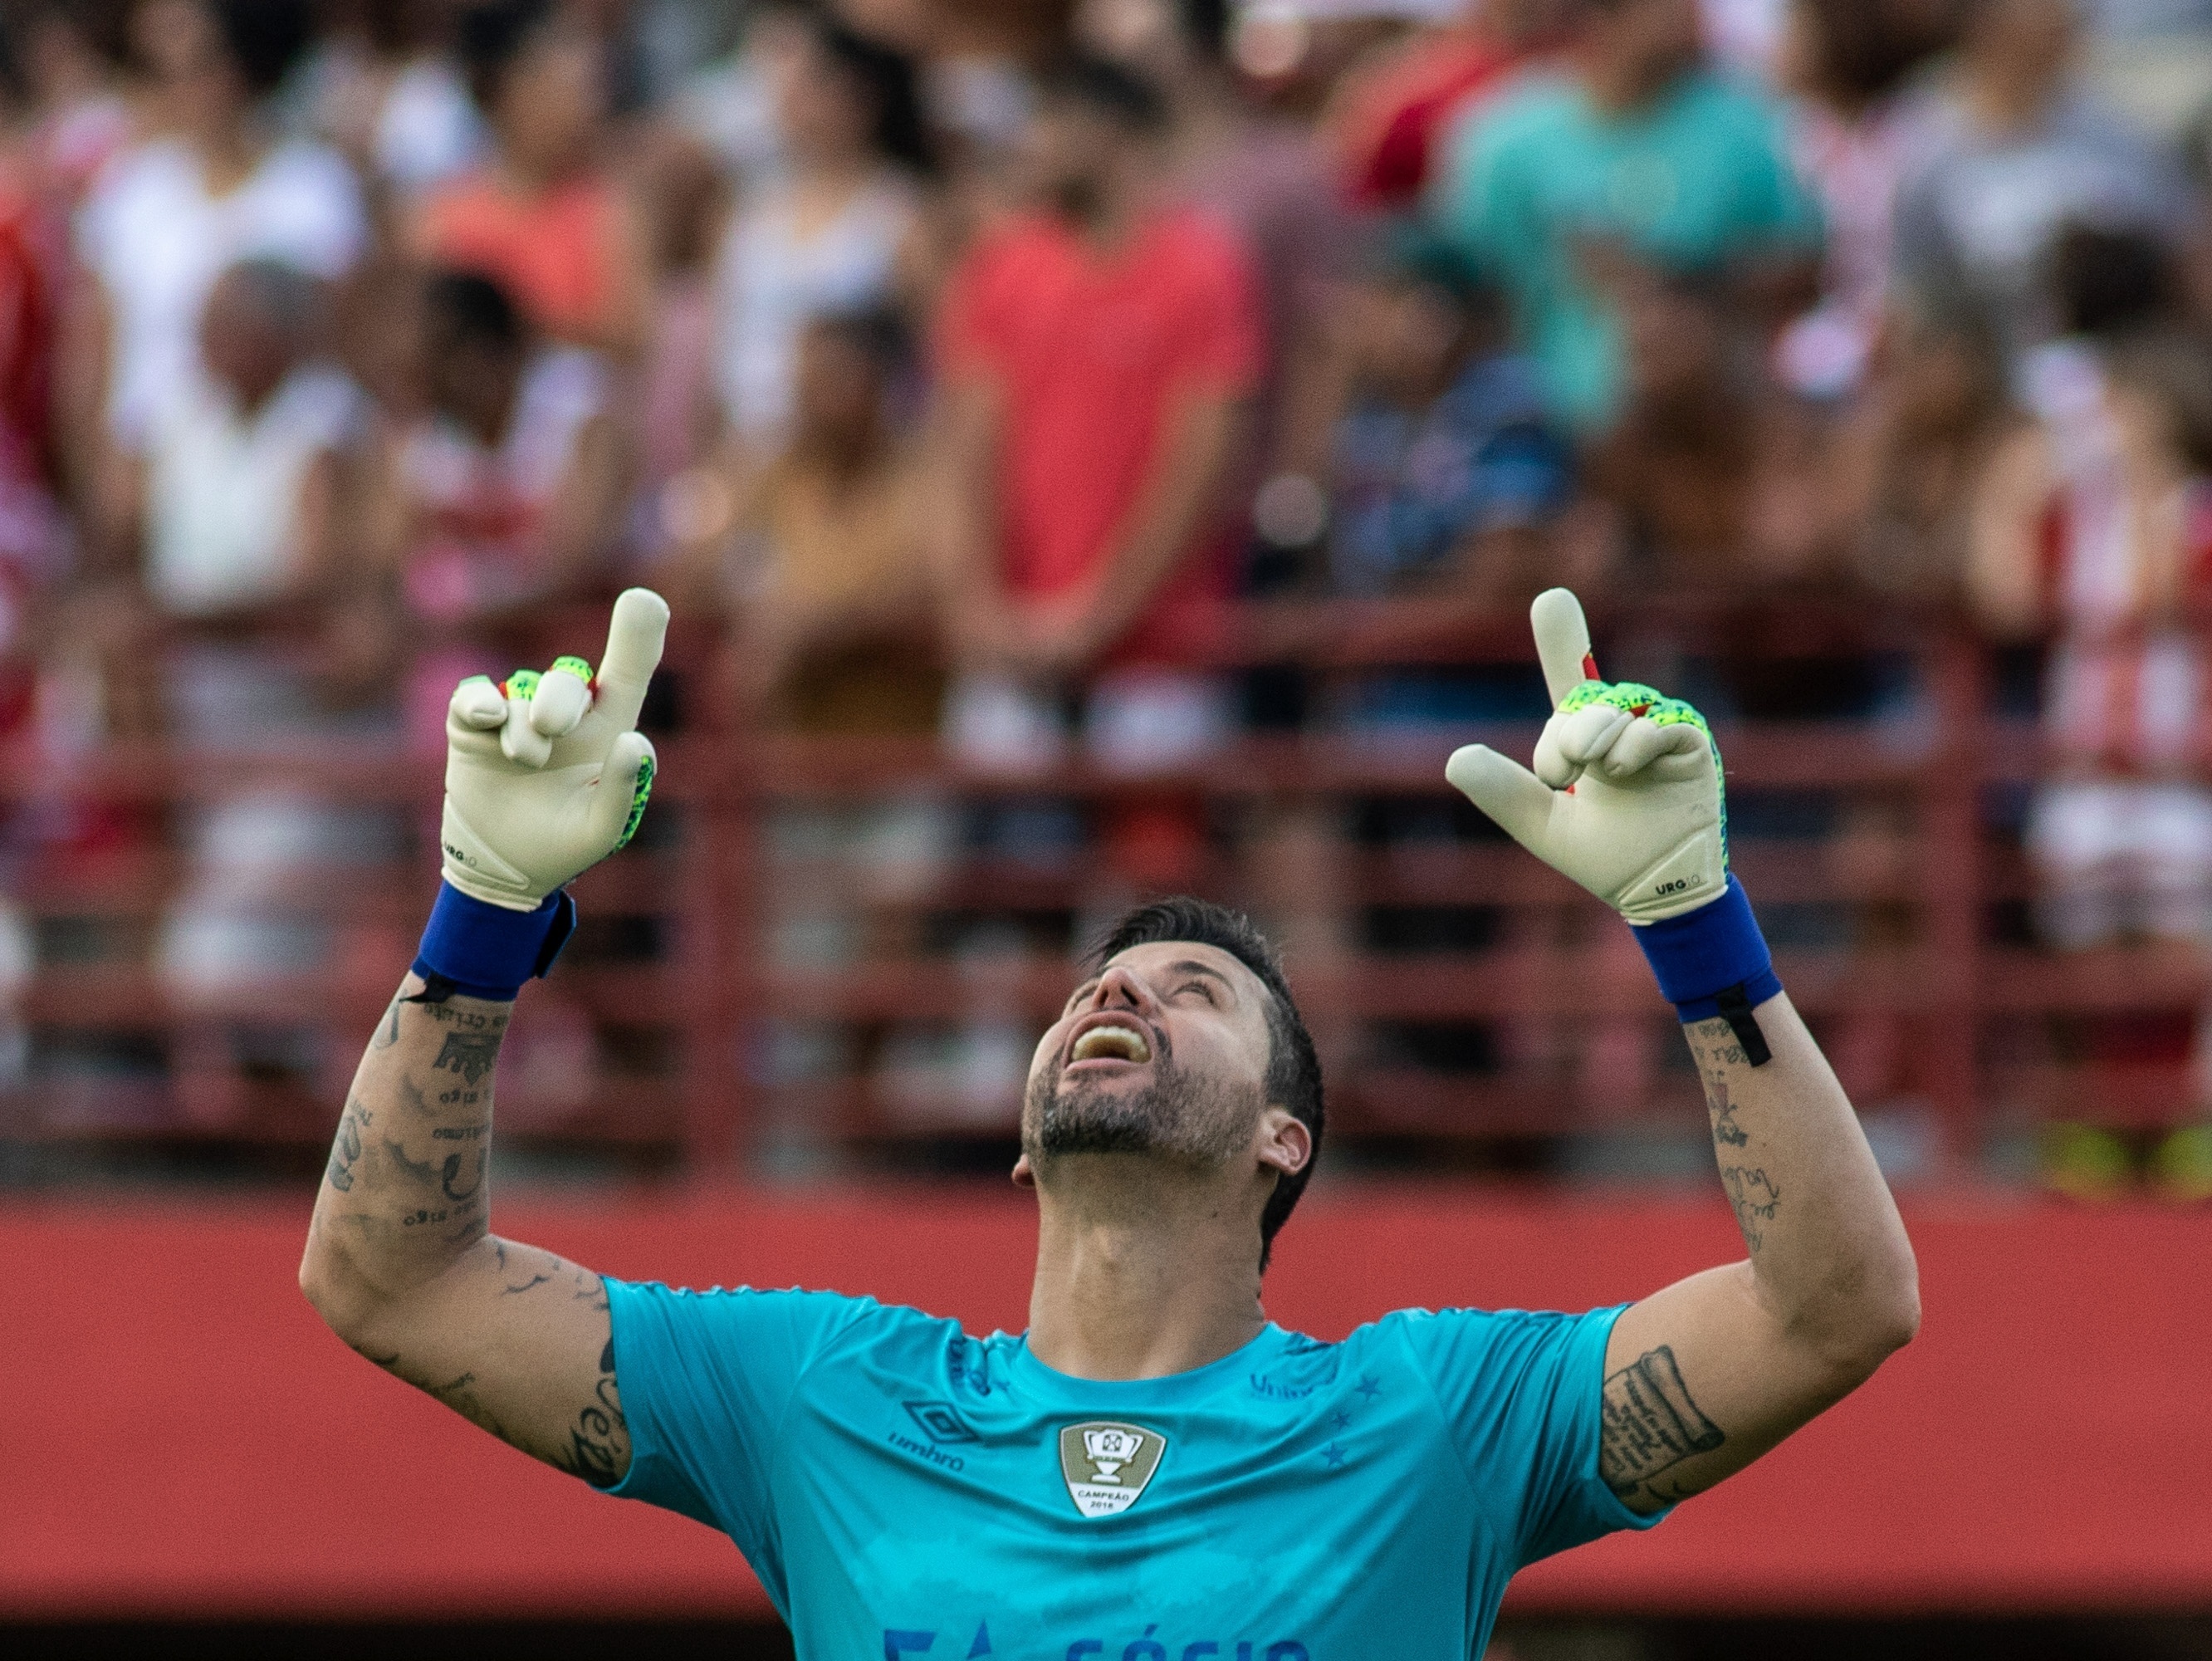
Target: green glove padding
[547,777]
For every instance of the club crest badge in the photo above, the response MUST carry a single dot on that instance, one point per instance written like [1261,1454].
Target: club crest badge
[1107,1466]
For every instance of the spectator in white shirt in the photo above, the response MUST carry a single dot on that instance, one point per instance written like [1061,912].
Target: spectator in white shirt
[2015,151]
[242,461]
[213,186]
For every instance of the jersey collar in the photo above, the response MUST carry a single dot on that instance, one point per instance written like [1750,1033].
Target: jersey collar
[1047,1384]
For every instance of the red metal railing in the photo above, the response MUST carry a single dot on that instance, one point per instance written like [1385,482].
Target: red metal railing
[668,1037]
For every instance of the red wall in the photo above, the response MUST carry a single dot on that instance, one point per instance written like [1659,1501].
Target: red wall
[180,1435]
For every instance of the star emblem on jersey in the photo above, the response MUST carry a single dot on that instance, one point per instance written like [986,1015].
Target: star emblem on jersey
[1107,1466]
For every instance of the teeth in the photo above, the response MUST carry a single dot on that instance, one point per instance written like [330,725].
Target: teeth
[1115,1042]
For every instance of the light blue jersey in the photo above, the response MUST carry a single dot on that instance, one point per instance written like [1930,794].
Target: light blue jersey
[904,1489]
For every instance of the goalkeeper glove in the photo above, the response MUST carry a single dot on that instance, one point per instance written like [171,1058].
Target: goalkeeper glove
[1627,801]
[545,776]
[1626,798]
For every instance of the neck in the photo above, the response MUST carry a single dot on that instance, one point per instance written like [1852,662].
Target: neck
[834,170]
[1618,86]
[488,421]
[228,151]
[1120,209]
[2002,101]
[1142,1270]
[250,401]
[527,175]
[843,459]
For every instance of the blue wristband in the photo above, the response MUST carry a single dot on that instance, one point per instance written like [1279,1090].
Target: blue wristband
[478,950]
[1713,962]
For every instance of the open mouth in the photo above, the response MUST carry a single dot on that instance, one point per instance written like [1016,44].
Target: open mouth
[1111,1042]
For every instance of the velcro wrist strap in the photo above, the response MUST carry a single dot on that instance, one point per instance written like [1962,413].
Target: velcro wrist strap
[474,949]
[1714,962]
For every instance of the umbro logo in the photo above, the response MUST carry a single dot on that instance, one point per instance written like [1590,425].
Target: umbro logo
[939,1423]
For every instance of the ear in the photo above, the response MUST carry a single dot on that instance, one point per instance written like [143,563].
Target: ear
[1023,1176]
[1285,1144]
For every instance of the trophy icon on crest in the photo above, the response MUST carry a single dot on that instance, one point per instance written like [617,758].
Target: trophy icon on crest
[1110,1448]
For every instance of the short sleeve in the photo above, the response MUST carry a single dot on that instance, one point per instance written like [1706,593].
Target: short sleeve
[1778,208]
[969,338]
[100,233]
[313,215]
[1522,1398]
[1222,349]
[706,1378]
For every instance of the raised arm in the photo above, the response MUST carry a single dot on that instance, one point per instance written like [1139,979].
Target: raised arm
[402,1263]
[1704,1377]
[544,778]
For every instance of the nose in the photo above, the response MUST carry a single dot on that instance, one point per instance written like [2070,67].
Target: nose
[1118,988]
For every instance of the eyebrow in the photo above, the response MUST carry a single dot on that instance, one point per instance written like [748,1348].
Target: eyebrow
[1193,966]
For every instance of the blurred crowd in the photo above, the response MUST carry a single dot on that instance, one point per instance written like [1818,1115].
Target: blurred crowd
[957,360]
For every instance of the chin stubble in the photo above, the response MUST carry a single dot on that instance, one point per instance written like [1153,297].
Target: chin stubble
[1174,1115]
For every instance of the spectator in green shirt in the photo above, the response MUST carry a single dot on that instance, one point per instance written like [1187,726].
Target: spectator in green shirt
[1633,160]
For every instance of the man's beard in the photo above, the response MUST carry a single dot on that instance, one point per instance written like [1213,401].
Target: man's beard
[1177,1116]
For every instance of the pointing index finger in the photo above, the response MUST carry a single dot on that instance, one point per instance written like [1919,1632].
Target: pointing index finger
[634,642]
[1563,642]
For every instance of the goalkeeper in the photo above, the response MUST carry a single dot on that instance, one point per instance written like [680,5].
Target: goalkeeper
[1152,1470]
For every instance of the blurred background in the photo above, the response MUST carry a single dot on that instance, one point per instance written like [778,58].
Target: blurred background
[1096,448]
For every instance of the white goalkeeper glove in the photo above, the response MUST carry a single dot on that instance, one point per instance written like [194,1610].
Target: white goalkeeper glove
[1626,798]
[546,778]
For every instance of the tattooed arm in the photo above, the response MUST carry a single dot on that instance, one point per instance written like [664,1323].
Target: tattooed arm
[1705,1377]
[401,1263]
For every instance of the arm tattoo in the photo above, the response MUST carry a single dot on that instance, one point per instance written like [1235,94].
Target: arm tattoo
[407,1194]
[1756,1199]
[1651,1424]
[599,1441]
[390,1180]
[460,1395]
[469,1054]
[1727,1132]
[1755,1196]
[346,1151]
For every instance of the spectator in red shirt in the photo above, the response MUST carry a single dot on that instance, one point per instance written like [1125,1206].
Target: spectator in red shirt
[1390,110]
[1094,355]
[542,215]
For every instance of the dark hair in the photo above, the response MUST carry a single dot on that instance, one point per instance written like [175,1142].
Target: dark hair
[885,78]
[467,308]
[493,34]
[1293,1067]
[1105,89]
[1867,47]
[394,26]
[2108,279]
[264,38]
[1205,26]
